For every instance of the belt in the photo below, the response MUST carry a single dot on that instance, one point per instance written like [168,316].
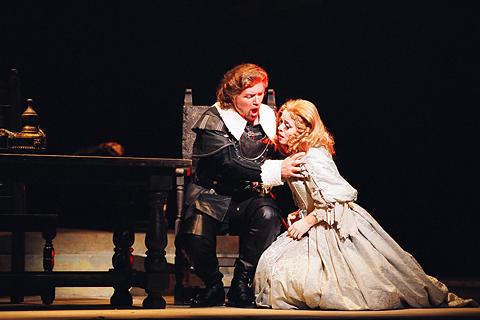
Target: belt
[222,188]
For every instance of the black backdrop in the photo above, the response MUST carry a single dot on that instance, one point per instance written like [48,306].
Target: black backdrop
[397,83]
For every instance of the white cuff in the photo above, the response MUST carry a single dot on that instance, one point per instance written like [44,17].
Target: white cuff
[272,173]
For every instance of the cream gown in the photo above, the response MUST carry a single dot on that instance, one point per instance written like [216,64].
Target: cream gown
[347,261]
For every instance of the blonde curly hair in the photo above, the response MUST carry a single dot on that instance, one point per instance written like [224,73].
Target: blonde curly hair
[311,131]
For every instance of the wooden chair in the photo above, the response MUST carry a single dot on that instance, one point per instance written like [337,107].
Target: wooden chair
[191,114]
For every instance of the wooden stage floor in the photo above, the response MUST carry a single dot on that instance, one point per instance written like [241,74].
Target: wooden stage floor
[78,309]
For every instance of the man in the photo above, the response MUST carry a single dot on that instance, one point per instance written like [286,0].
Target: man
[233,141]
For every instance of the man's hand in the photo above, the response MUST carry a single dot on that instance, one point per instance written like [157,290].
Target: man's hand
[293,166]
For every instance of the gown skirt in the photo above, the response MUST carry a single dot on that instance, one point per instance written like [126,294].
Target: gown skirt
[352,264]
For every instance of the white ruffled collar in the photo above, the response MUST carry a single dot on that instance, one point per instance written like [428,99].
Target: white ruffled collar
[236,123]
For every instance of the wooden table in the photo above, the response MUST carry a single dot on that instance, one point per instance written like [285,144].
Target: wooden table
[156,175]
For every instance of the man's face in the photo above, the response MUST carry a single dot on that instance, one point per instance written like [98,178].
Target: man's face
[248,102]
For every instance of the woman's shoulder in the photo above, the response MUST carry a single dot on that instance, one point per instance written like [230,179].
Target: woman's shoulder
[319,157]
[317,153]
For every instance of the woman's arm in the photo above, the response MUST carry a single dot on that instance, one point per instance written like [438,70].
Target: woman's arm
[300,227]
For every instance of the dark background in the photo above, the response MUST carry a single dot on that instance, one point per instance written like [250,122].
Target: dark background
[397,83]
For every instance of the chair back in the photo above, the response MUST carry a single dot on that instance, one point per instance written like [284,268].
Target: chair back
[191,113]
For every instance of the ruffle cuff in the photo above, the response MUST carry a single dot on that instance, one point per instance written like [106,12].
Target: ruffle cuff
[272,173]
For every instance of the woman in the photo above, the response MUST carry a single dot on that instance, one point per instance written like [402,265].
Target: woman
[335,256]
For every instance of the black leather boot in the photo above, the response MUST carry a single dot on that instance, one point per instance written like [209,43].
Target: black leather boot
[214,295]
[201,252]
[264,226]
[241,293]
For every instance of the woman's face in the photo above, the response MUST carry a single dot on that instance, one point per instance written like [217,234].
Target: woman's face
[286,128]
[248,102]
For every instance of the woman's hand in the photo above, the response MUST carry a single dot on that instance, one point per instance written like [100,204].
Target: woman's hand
[300,227]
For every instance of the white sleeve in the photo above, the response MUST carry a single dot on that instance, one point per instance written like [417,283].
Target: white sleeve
[333,186]
[272,173]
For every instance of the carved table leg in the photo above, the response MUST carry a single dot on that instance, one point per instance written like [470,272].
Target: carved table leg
[18,237]
[48,293]
[122,260]
[180,261]
[155,263]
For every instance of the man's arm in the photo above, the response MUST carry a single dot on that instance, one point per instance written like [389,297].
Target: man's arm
[273,171]
[214,152]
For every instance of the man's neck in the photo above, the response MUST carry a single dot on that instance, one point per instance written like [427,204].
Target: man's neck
[251,122]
